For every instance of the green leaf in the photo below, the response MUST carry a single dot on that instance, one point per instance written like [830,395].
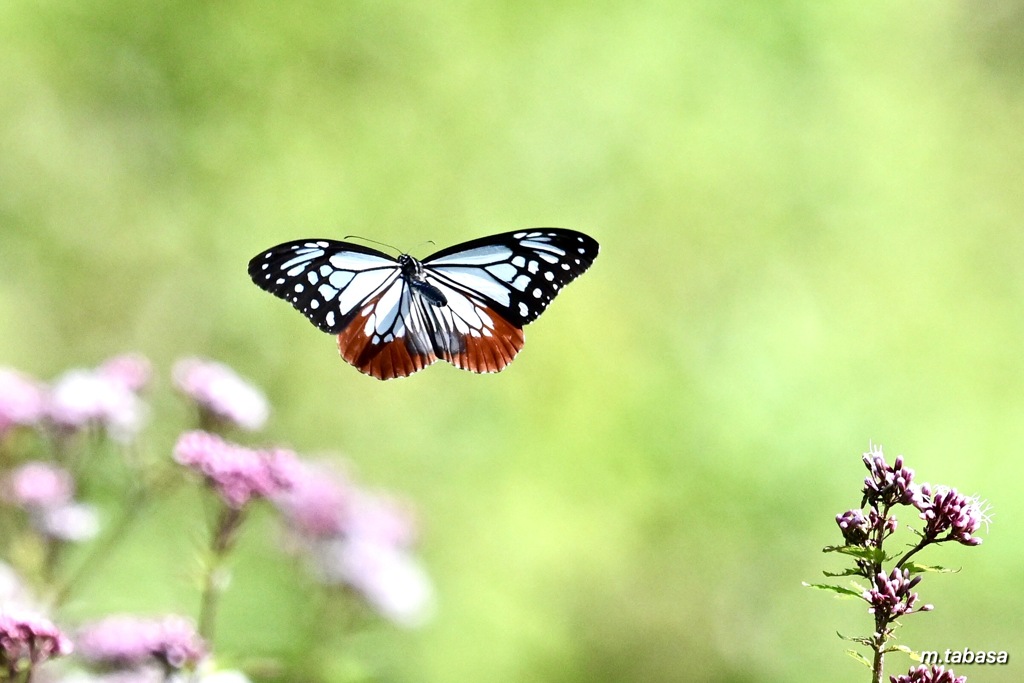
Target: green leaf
[842,590]
[859,657]
[863,640]
[906,650]
[875,555]
[853,571]
[916,568]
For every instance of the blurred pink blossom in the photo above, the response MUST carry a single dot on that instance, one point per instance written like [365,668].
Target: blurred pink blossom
[74,522]
[390,578]
[237,473]
[38,485]
[127,641]
[26,638]
[22,399]
[360,539]
[220,392]
[132,370]
[81,398]
[319,502]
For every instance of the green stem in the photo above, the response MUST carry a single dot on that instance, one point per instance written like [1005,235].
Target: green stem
[221,542]
[140,496]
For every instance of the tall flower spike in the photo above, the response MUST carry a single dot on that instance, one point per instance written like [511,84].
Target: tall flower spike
[237,473]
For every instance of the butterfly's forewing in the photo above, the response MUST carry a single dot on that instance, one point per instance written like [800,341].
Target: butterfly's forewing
[517,274]
[495,285]
[328,281]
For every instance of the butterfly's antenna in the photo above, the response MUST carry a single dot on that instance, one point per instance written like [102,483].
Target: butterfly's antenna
[430,242]
[367,239]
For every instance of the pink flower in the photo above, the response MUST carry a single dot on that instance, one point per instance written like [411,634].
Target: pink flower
[382,519]
[319,502]
[27,640]
[126,641]
[22,399]
[39,485]
[388,577]
[82,398]
[945,511]
[923,674]
[220,393]
[73,522]
[131,370]
[237,473]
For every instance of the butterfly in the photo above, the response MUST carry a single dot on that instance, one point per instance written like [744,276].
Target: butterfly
[466,304]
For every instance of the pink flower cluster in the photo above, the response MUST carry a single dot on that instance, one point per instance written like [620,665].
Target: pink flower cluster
[947,512]
[237,473]
[888,485]
[46,492]
[27,640]
[106,397]
[360,539]
[39,485]
[126,641]
[892,595]
[22,400]
[924,674]
[220,394]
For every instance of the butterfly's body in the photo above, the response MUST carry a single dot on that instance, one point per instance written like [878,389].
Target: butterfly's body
[465,304]
[413,273]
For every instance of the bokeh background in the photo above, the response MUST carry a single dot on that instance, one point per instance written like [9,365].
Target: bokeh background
[810,217]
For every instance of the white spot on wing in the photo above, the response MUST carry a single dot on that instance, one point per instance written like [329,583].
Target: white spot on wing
[521,282]
[357,261]
[502,271]
[301,260]
[340,278]
[547,257]
[472,279]
[474,257]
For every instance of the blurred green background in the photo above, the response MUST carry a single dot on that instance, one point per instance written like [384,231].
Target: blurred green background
[810,218]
